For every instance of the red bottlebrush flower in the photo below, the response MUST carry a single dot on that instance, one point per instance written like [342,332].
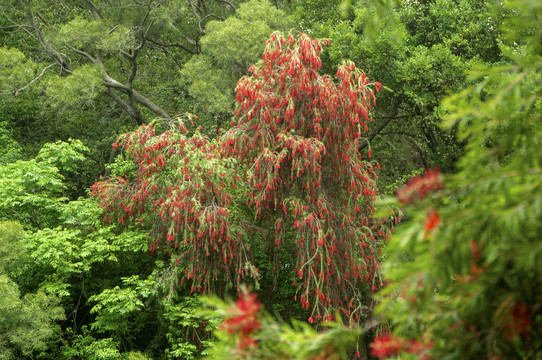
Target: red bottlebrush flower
[475,270]
[475,251]
[519,323]
[418,187]
[432,220]
[244,315]
[246,341]
[385,345]
[378,86]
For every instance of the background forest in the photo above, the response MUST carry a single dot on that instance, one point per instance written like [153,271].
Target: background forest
[362,177]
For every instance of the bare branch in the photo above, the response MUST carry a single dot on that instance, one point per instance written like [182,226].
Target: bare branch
[151,106]
[14,26]
[211,15]
[17,91]
[421,154]
[95,11]
[133,73]
[134,95]
[43,19]
[25,28]
[227,3]
[373,134]
[157,42]
[136,115]
[112,83]
[194,11]
[41,39]
[82,53]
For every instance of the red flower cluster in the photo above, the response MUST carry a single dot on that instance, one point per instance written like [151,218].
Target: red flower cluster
[386,345]
[244,320]
[418,187]
[519,323]
[244,315]
[432,220]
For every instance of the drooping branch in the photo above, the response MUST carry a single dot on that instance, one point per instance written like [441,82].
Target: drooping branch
[55,55]
[125,106]
[377,131]
[161,44]
[227,3]
[16,91]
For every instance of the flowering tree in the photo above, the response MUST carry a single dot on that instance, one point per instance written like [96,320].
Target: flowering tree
[296,140]
[292,152]
[180,190]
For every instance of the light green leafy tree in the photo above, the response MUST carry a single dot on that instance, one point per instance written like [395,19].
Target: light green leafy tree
[33,191]
[26,322]
[115,40]
[228,48]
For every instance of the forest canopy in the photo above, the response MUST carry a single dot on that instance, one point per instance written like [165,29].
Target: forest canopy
[270,179]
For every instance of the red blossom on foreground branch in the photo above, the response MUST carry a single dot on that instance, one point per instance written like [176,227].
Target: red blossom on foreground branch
[418,187]
[243,320]
[432,220]
[520,321]
[243,315]
[386,345]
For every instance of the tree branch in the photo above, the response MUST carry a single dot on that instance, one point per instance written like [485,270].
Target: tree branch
[421,154]
[29,13]
[157,42]
[413,141]
[82,53]
[124,105]
[194,11]
[109,82]
[378,129]
[14,26]
[16,91]
[95,11]
[227,3]
[151,106]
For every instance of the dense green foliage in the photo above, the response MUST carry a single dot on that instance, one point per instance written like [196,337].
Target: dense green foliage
[285,181]
[474,287]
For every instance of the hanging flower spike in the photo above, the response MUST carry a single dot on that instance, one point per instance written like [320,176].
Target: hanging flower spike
[432,220]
